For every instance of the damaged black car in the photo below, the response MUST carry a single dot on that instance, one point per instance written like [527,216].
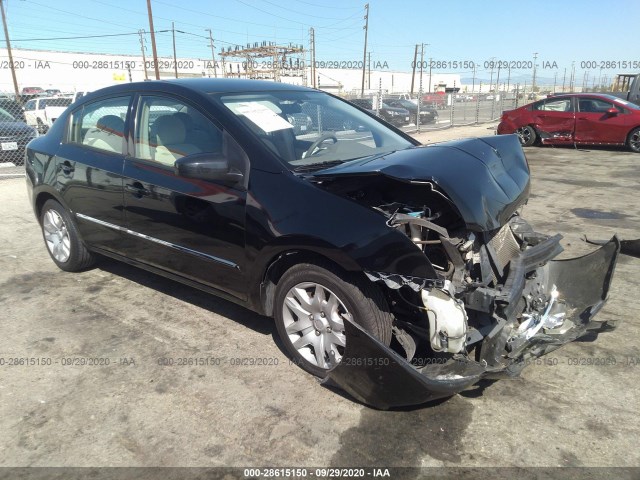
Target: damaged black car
[397,272]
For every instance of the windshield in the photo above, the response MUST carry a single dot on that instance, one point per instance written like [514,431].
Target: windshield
[403,103]
[6,116]
[307,130]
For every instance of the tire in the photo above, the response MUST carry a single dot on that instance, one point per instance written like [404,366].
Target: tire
[342,294]
[528,135]
[633,140]
[62,239]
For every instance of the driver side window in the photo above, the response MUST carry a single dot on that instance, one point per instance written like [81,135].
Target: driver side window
[169,129]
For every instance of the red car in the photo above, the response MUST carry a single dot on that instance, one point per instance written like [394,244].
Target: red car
[594,119]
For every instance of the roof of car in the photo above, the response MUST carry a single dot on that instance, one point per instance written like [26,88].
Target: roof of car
[204,85]
[211,85]
[578,94]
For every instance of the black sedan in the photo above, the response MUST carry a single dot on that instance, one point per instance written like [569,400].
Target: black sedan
[395,116]
[400,273]
[427,114]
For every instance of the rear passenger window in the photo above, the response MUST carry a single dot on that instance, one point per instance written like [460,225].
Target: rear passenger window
[554,105]
[100,124]
[169,129]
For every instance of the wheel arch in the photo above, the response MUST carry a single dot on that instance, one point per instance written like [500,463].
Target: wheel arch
[262,296]
[42,197]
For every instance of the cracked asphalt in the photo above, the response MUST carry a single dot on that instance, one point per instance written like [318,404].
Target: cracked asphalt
[97,391]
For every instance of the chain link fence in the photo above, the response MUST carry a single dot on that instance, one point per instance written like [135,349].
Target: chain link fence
[436,111]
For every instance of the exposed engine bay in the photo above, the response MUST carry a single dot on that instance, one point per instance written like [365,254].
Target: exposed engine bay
[497,296]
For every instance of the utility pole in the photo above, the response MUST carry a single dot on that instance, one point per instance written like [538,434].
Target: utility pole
[491,79]
[473,85]
[213,53]
[421,65]
[13,70]
[153,41]
[573,76]
[144,57]
[555,80]
[564,78]
[533,83]
[364,57]
[175,60]
[413,75]
[312,42]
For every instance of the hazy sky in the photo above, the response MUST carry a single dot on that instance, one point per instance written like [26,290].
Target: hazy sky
[590,33]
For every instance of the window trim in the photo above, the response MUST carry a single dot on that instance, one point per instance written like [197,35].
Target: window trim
[125,143]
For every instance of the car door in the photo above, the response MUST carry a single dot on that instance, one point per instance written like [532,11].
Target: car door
[89,165]
[554,119]
[190,227]
[596,124]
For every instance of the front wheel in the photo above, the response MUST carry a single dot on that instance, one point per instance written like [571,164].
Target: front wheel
[62,239]
[633,141]
[527,135]
[313,303]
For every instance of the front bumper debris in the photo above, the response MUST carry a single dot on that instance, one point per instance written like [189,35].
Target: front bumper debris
[378,376]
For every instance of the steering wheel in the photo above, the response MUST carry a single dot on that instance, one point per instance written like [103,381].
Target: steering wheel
[312,149]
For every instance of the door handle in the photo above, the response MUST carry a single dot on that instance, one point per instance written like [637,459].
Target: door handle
[137,189]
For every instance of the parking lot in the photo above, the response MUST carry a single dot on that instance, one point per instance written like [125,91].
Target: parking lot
[575,407]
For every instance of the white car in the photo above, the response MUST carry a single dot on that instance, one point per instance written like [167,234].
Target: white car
[41,112]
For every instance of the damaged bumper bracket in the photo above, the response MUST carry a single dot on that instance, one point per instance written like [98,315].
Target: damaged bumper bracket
[377,376]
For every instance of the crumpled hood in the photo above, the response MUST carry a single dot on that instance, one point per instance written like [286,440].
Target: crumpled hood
[486,178]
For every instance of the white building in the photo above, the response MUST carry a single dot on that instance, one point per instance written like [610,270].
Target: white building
[71,71]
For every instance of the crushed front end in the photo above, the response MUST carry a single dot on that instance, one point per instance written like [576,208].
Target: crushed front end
[499,298]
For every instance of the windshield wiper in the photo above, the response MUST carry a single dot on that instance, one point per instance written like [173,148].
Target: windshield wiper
[317,166]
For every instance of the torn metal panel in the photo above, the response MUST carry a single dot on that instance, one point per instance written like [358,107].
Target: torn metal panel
[377,376]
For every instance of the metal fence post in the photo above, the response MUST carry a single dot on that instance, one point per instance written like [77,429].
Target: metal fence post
[452,97]
[478,104]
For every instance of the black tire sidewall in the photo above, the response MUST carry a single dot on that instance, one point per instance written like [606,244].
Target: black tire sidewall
[635,130]
[533,137]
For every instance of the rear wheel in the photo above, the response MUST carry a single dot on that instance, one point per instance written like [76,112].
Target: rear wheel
[528,135]
[312,305]
[633,140]
[62,239]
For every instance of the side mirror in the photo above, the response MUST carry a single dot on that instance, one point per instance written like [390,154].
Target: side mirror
[613,111]
[207,166]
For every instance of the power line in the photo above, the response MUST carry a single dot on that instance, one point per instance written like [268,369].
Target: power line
[301,13]
[328,6]
[77,38]
[76,14]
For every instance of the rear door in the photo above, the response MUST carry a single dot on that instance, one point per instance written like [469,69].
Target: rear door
[190,227]
[554,119]
[89,170]
[594,123]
